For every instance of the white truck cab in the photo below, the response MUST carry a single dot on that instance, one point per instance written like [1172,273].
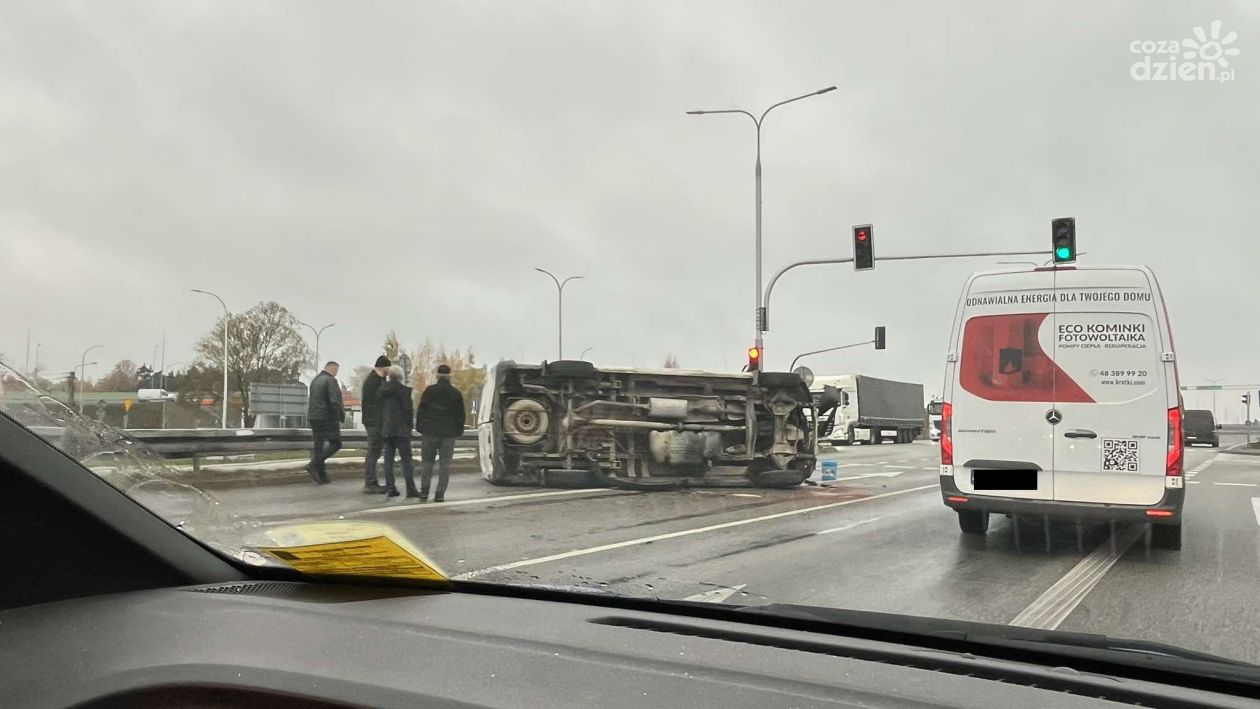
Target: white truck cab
[1061,400]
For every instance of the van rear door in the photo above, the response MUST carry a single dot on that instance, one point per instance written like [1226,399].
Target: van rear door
[1004,386]
[1112,387]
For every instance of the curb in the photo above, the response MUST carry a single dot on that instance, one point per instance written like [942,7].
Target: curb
[336,472]
[1243,449]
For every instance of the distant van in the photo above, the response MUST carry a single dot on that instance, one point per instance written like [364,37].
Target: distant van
[1201,427]
[1062,400]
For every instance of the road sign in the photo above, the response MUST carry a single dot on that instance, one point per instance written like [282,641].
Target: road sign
[277,399]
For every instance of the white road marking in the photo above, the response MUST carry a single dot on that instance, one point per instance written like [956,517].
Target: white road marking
[682,533]
[1200,467]
[1057,603]
[717,595]
[1237,484]
[1192,482]
[889,474]
[1255,507]
[850,525]
[477,501]
[743,494]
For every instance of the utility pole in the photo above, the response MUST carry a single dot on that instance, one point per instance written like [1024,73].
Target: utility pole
[317,333]
[559,308]
[760,312]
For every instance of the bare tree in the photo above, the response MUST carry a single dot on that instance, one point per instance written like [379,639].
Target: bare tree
[264,347]
[671,362]
[393,346]
[121,378]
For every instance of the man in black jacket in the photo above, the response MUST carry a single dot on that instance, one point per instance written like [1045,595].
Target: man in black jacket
[440,420]
[372,420]
[324,414]
[396,430]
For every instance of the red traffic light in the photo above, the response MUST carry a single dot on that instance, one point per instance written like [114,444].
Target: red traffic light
[754,359]
[862,235]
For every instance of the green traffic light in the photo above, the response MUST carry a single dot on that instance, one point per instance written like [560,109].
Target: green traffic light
[1063,253]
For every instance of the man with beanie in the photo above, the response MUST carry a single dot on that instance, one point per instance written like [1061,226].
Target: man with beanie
[372,421]
[440,420]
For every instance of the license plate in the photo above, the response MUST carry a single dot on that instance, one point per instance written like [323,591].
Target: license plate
[1004,479]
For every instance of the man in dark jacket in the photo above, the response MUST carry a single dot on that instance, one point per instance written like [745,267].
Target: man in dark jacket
[440,420]
[372,422]
[396,431]
[324,414]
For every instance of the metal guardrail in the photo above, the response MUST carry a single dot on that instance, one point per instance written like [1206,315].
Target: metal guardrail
[195,443]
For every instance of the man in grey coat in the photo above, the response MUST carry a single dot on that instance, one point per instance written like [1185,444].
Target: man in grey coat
[325,413]
[373,419]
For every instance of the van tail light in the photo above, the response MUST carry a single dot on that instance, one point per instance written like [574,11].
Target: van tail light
[947,436]
[1176,459]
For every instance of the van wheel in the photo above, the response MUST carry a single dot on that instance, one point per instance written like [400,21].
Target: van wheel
[1166,536]
[973,521]
[875,438]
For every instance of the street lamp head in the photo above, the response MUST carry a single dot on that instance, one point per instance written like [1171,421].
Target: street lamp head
[696,113]
[826,90]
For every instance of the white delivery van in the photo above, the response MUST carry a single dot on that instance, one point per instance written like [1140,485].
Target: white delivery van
[1061,400]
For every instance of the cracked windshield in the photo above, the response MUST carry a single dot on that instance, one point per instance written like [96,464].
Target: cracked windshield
[925,310]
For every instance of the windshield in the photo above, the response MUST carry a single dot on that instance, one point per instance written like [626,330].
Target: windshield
[473,283]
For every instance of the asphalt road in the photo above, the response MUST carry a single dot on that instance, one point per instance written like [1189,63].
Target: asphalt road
[878,538]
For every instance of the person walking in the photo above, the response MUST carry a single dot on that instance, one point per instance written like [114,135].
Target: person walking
[440,420]
[395,399]
[372,418]
[325,413]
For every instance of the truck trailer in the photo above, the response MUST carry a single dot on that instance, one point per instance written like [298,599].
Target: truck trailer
[855,408]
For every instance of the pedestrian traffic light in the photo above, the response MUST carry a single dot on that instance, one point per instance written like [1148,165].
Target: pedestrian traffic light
[863,247]
[1063,240]
[879,337]
[754,359]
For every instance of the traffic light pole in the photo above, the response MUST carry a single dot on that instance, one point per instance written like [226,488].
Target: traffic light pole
[765,302]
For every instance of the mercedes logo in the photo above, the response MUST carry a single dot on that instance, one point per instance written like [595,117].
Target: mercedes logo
[1054,417]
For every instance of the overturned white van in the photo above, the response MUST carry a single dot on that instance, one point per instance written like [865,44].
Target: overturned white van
[1061,400]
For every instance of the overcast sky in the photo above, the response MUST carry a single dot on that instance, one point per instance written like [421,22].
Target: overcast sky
[406,165]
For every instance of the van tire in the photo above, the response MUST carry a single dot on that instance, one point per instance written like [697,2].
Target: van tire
[572,368]
[973,521]
[1166,536]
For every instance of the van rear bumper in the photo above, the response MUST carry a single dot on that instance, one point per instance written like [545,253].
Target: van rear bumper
[1171,502]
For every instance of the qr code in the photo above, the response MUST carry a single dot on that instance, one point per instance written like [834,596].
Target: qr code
[1119,455]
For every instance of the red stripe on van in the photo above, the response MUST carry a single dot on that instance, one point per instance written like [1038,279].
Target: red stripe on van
[1002,360]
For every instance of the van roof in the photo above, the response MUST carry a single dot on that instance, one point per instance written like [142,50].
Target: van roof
[1071,267]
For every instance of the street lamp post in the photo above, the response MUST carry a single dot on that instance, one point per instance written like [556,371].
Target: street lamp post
[317,334]
[1213,382]
[760,320]
[226,318]
[559,308]
[83,363]
[583,355]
